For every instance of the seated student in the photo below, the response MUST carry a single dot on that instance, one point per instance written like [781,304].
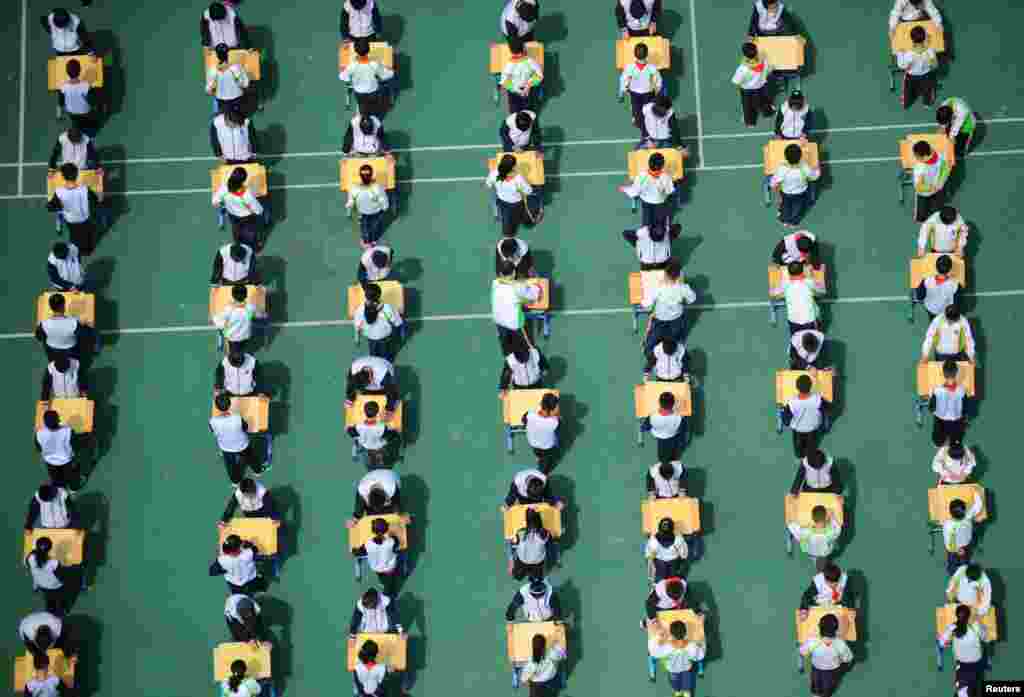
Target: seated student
[227,82]
[365,136]
[520,131]
[956,120]
[666,552]
[56,444]
[805,415]
[953,463]
[220,24]
[370,200]
[668,427]
[668,360]
[377,493]
[60,334]
[542,671]
[508,298]
[368,78]
[377,321]
[515,250]
[523,369]
[967,636]
[244,210]
[253,499]
[375,263]
[64,267]
[918,66]
[793,180]
[542,432]
[238,374]
[42,631]
[666,480]
[947,402]
[373,435]
[511,191]
[751,77]
[530,486]
[678,656]
[232,434]
[79,207]
[971,586]
[42,682]
[528,550]
[913,11]
[770,18]
[63,379]
[800,246]
[958,532]
[940,291]
[805,349]
[949,336]
[944,232]
[75,147]
[827,589]
[799,291]
[381,552]
[374,613]
[79,100]
[518,18]
[235,320]
[520,76]
[372,375]
[360,19]
[49,577]
[653,244]
[370,673]
[239,684]
[233,264]
[654,188]
[930,174]
[67,32]
[51,507]
[642,80]
[818,541]
[638,17]
[659,127]
[828,654]
[538,601]
[666,594]
[232,137]
[237,564]
[668,307]
[794,119]
[244,618]
[815,473]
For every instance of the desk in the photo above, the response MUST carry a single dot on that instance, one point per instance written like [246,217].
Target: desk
[92,178]
[797,509]
[775,154]
[354,414]
[520,638]
[946,615]
[529,163]
[929,376]
[684,511]
[500,55]
[923,267]
[60,665]
[514,404]
[68,544]
[256,180]
[674,159]
[380,51]
[659,51]
[257,660]
[392,649]
[645,397]
[694,623]
[255,410]
[383,171]
[515,519]
[391,293]
[808,629]
[938,141]
[777,275]
[901,38]
[544,303]
[262,532]
[247,58]
[940,497]
[641,288]
[57,71]
[785,384]
[78,413]
[220,298]
[80,305]
[784,53]
[358,535]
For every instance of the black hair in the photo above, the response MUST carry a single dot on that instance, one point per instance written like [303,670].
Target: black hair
[522,353]
[640,52]
[232,543]
[973,572]
[828,626]
[674,589]
[538,647]
[222,402]
[61,363]
[922,149]
[804,243]
[533,520]
[957,509]
[749,50]
[832,573]
[944,115]
[377,499]
[380,259]
[669,345]
[963,619]
[236,357]
[217,12]
[235,116]
[666,532]
[221,50]
[956,450]
[239,292]
[793,153]
[673,267]
[51,419]
[44,638]
[666,400]
[371,308]
[247,486]
[371,409]
[662,103]
[366,125]
[362,47]
[947,215]
[69,171]
[944,264]
[41,661]
[795,268]
[368,651]
[549,402]
[74,68]
[366,172]
[534,487]
[74,134]
[237,251]
[949,369]
[810,342]
[516,45]
[61,17]
[523,120]
[61,250]
[237,179]
[656,161]
[677,630]
[816,459]
[796,100]
[506,164]
[358,4]
[526,11]
[47,492]
[804,384]
[41,552]
[953,312]
[918,35]
[508,248]
[371,597]
[379,526]
[666,470]
[238,669]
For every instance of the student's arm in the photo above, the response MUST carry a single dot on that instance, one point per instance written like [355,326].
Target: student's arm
[241,32]
[204,32]
[958,293]
[826,407]
[536,137]
[787,415]
[47,390]
[798,479]
[55,155]
[651,606]
[778,253]
[384,72]
[506,140]
[359,509]
[809,598]
[933,12]
[650,362]
[33,513]
[254,203]
[512,497]
[40,333]
[216,569]
[624,79]
[517,602]
[644,133]
[920,292]
[753,28]
[346,146]
[343,25]
[504,380]
[556,607]
[778,113]
[55,278]
[378,25]
[245,425]
[230,508]
[675,138]
[94,199]
[217,276]
[651,488]
[542,362]
[54,204]
[351,431]
[969,340]
[390,388]
[394,317]
[931,402]
[645,425]
[894,15]
[620,16]
[215,141]
[929,339]
[903,59]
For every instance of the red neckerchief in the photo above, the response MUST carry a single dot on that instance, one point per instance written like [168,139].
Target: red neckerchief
[240,193]
[798,277]
[665,412]
[362,59]
[654,172]
[835,593]
[640,66]
[934,158]
[951,386]
[941,279]
[233,554]
[516,56]
[371,422]
[801,395]
[370,665]
[758,67]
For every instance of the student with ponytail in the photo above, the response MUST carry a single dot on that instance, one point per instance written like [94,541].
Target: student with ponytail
[48,576]
[377,321]
[528,550]
[511,191]
[542,672]
[243,209]
[967,637]
[238,685]
[666,552]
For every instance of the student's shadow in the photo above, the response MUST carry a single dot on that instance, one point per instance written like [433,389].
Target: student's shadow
[554,84]
[87,634]
[411,613]
[551,27]
[552,160]
[848,473]
[565,488]
[670,23]
[686,245]
[411,394]
[857,583]
[673,77]
[700,595]
[273,272]
[289,505]
[974,407]
[102,382]
[407,269]
[115,183]
[810,49]
[272,141]
[107,321]
[277,196]
[698,367]
[701,286]
[277,617]
[572,613]
[101,273]
[981,462]
[108,48]
[836,359]
[261,38]
[827,256]
[572,414]
[413,308]
[415,500]
[998,606]
[392,28]
[557,370]
[94,516]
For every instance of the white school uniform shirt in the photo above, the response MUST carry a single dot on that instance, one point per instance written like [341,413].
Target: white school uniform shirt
[666,488]
[825,597]
[676,660]
[371,678]
[917,63]
[235,321]
[657,127]
[249,687]
[806,413]
[387,317]
[360,22]
[234,140]
[239,381]
[929,177]
[250,503]
[939,295]
[43,575]
[827,654]
[380,367]
[537,609]
[522,478]
[234,271]
[644,21]
[677,550]
[905,11]
[365,78]
[240,569]
[670,299]
[231,437]
[968,648]
[793,122]
[507,300]
[953,471]
[541,431]
[524,374]
[794,179]
[510,189]
[368,200]
[512,17]
[69,269]
[948,337]
[957,534]
[65,385]
[640,78]
[971,592]
[223,31]
[651,189]
[363,143]
[801,306]
[239,205]
[54,514]
[32,622]
[546,669]
[60,332]
[531,547]
[375,620]
[649,251]
[520,139]
[665,425]
[73,153]
[748,77]
[949,403]
[668,367]
[520,75]
[65,40]
[374,272]
[816,542]
[47,687]
[818,478]
[55,445]
[382,557]
[74,201]
[371,436]
[383,479]
[938,237]
[797,342]
[227,84]
[791,252]
[768,20]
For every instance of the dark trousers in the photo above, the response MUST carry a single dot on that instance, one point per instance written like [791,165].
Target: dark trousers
[371,227]
[915,86]
[517,102]
[961,142]
[511,339]
[239,632]
[943,430]
[795,327]
[389,583]
[58,600]
[668,569]
[954,560]
[659,266]
[83,235]
[638,32]
[67,476]
[521,570]
[943,357]
[970,673]
[546,459]
[360,692]
[247,230]
[836,487]
[382,348]
[86,123]
[824,682]
[226,105]
[511,215]
[374,103]
[754,102]
[652,213]
[257,585]
[924,206]
[669,449]
[235,464]
[638,101]
[798,363]
[804,442]
[661,330]
[792,207]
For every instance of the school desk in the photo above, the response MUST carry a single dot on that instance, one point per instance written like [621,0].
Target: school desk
[92,178]
[247,58]
[68,544]
[777,275]
[262,532]
[946,615]
[514,404]
[775,154]
[57,71]
[659,51]
[257,659]
[254,409]
[383,171]
[220,298]
[256,179]
[645,401]
[515,519]
[380,51]
[60,665]
[674,160]
[684,511]
[77,413]
[924,267]
[529,163]
[694,623]
[520,638]
[938,141]
[901,37]
[783,53]
[797,509]
[392,649]
[940,497]
[642,286]
[541,309]
[363,530]
[81,306]
[929,376]
[808,629]
[785,384]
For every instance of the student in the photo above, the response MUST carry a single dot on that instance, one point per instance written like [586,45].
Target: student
[930,173]
[234,264]
[523,369]
[227,82]
[541,671]
[542,432]
[372,375]
[79,207]
[653,244]
[369,674]
[913,11]
[374,613]
[515,250]
[949,336]
[51,507]
[678,656]
[243,209]
[805,414]
[528,550]
[800,246]
[827,589]
[370,200]
[220,24]
[382,552]
[520,76]
[654,188]
[48,576]
[642,80]
[63,380]
[365,137]
[818,541]
[67,32]
[239,684]
[638,17]
[244,618]
[64,267]
[511,192]
[971,586]
[805,349]
[668,427]
[799,290]
[519,18]
[770,18]
[751,77]
[377,493]
[530,486]
[60,334]
[666,552]
[940,291]
[815,473]
[368,78]
[659,127]
[792,179]
[360,19]
[55,442]
[947,402]
[794,119]
[236,319]
[958,532]
[957,121]
[944,232]
[78,99]
[377,321]
[43,683]
[666,480]
[75,147]
[967,636]
[953,463]
[668,307]
[375,263]
[253,499]
[666,594]
[232,137]
[42,631]
[238,374]
[373,435]
[538,601]
[668,361]
[520,131]
[508,300]
[918,66]
[828,654]
[232,435]
[237,564]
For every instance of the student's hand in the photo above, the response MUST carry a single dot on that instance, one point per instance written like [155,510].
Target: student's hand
[560,505]
[509,567]
[275,524]
[388,155]
[406,518]
[350,523]
[51,172]
[625,33]
[803,140]
[622,189]
[388,415]
[349,403]
[654,29]
[649,144]
[221,524]
[647,377]
[804,614]
[403,635]
[256,643]
[503,508]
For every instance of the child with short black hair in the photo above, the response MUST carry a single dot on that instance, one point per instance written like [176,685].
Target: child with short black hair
[918,66]
[751,77]
[641,80]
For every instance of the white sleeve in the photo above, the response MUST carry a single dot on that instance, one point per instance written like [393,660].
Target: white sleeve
[946,635]
[894,16]
[650,549]
[737,77]
[219,194]
[937,463]
[254,204]
[625,78]
[975,508]
[492,178]
[922,238]
[346,73]
[903,59]
[633,190]
[845,655]
[958,122]
[929,337]
[933,12]
[696,651]
[384,72]
[776,176]
[969,339]
[689,296]
[257,312]
[528,293]
[523,185]
[384,197]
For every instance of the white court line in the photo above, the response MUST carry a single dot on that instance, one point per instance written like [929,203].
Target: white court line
[696,82]
[21,97]
[739,305]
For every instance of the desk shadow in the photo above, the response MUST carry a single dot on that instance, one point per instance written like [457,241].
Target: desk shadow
[701,285]
[572,612]
[998,605]
[403,77]
[572,414]
[406,270]
[87,633]
[100,273]
[413,308]
[698,360]
[675,73]
[102,382]
[289,504]
[554,84]
[670,23]
[271,143]
[115,184]
[392,27]
[278,614]
[981,463]
[827,256]
[415,498]
[810,49]
[277,197]
[551,27]
[819,134]
[685,246]
[557,369]
[108,47]
[411,394]
[107,321]
[565,488]
[552,159]
[851,493]
[261,38]
[277,379]
[700,595]
[411,612]
[836,358]
[94,515]
[857,582]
